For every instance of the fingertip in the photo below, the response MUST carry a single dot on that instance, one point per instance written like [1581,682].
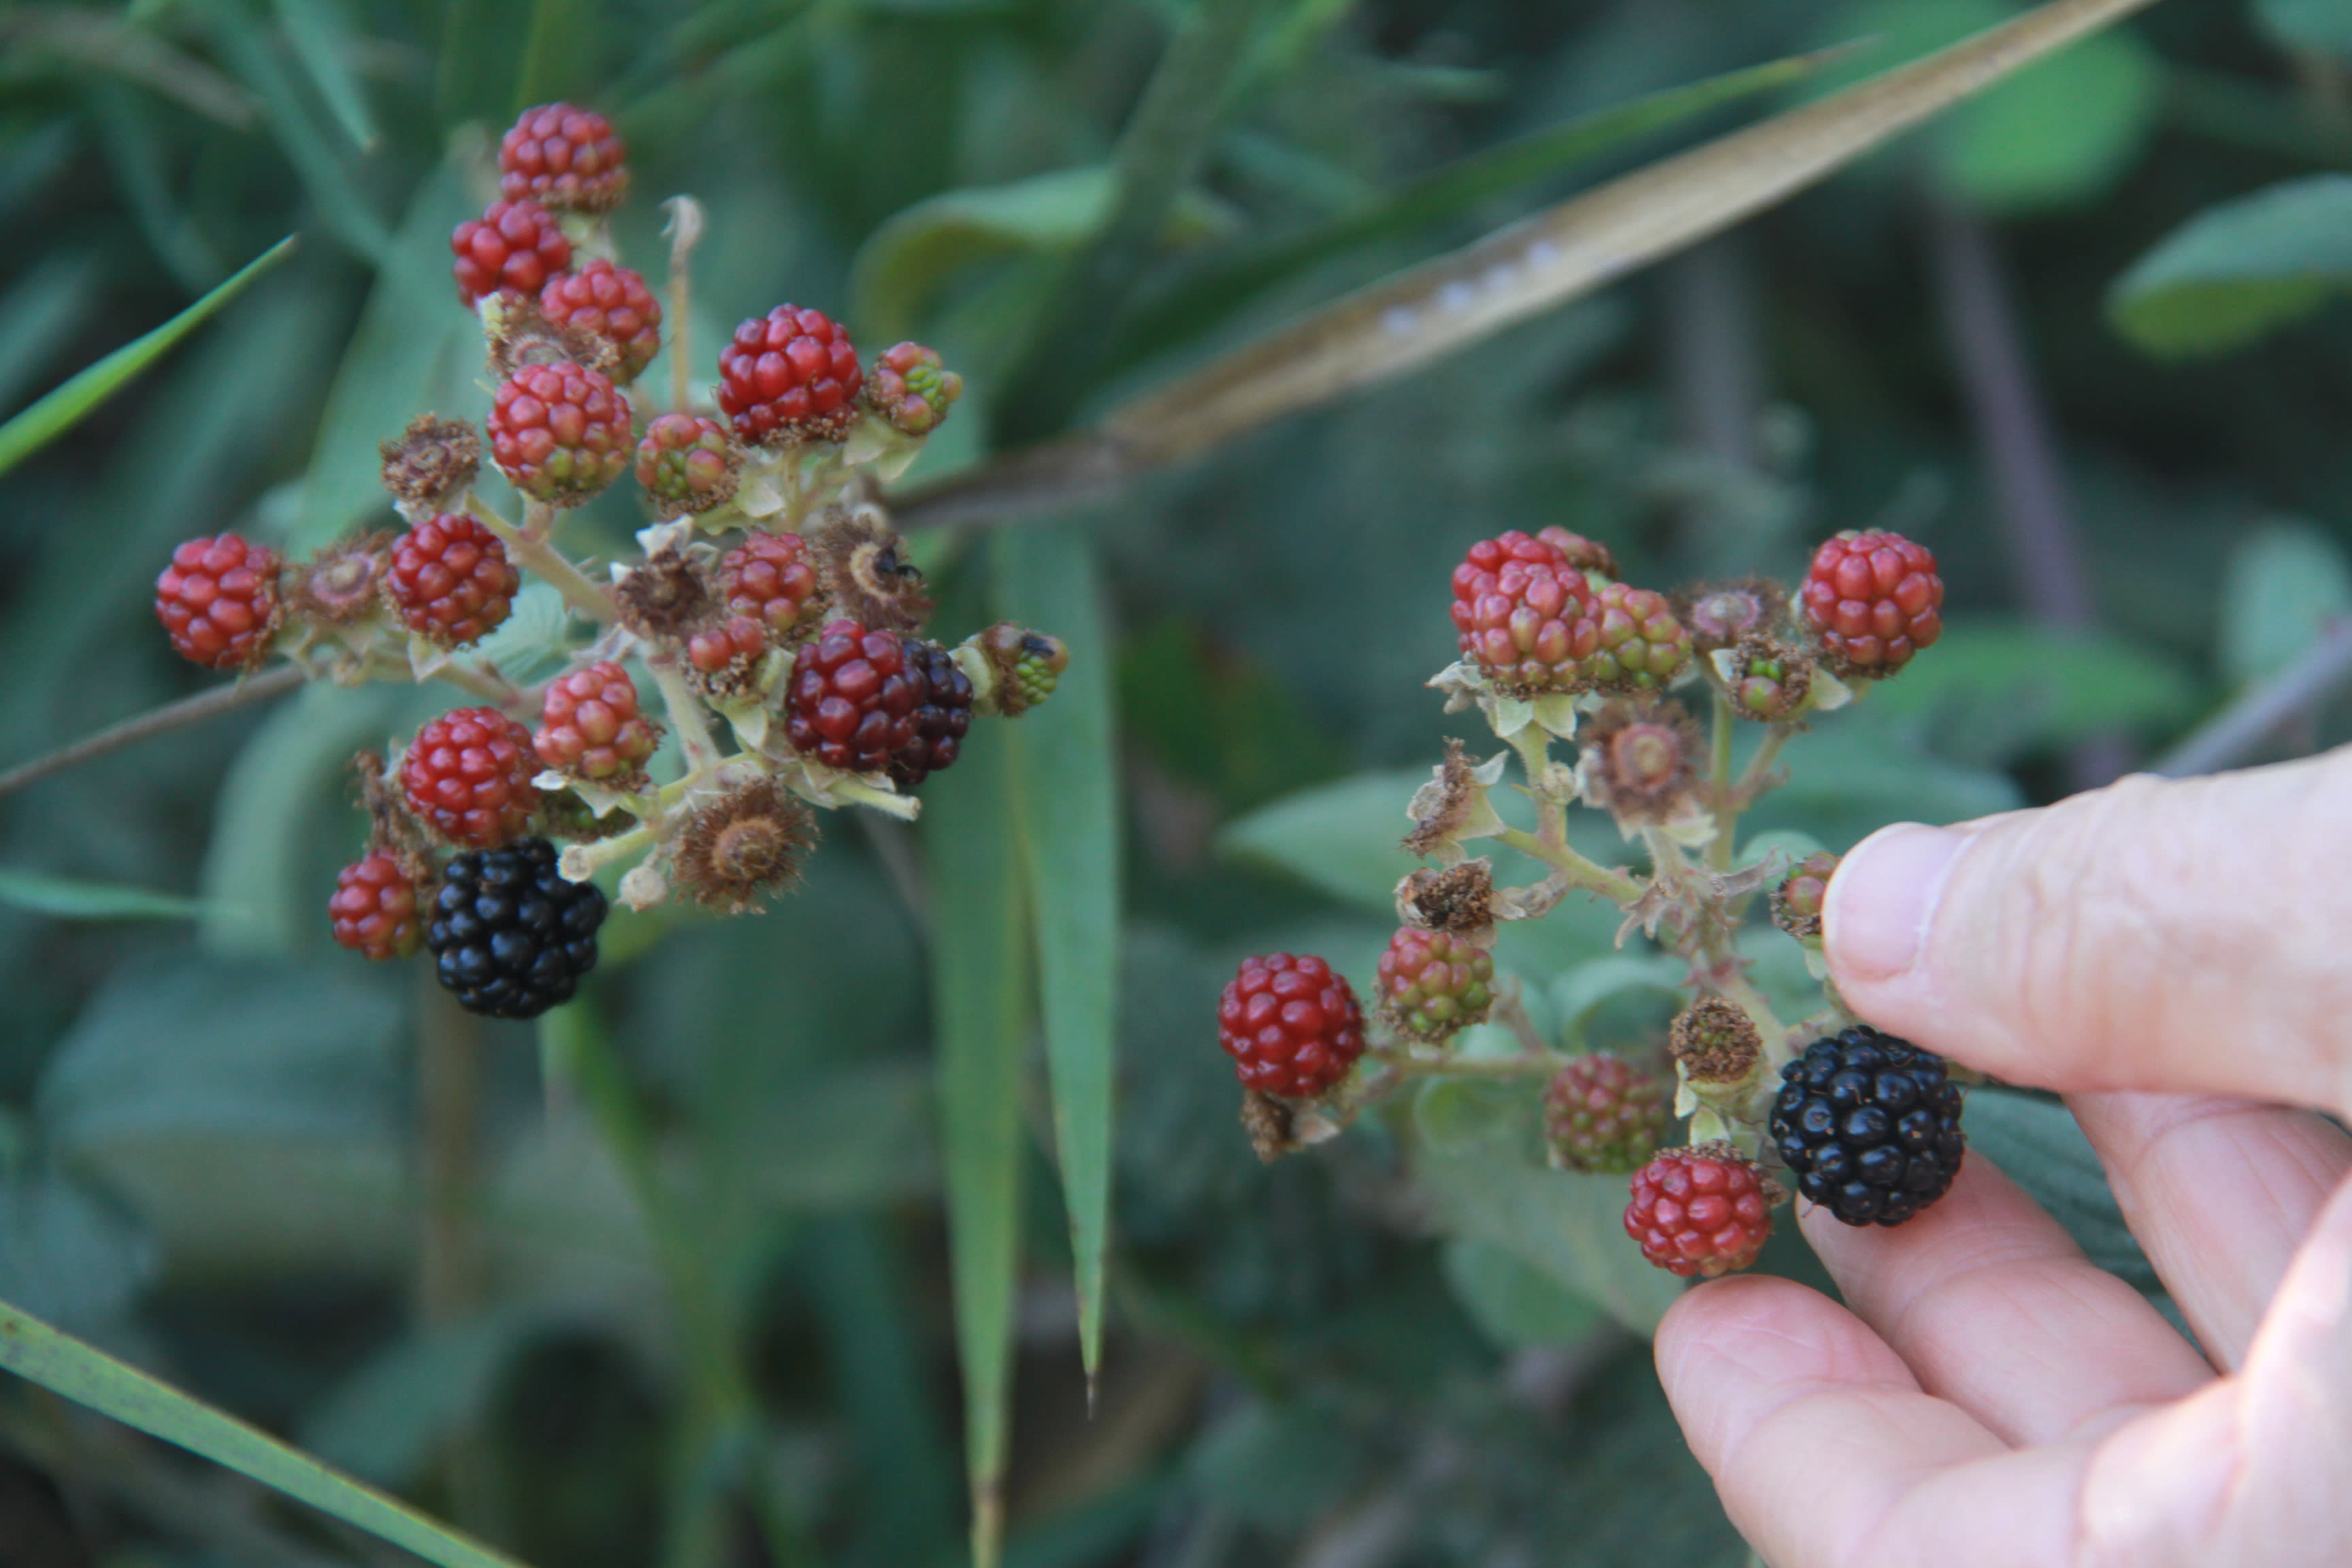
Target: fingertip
[1881,904]
[1730,1351]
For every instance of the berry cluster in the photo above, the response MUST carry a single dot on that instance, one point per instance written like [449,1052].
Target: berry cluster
[1557,646]
[789,664]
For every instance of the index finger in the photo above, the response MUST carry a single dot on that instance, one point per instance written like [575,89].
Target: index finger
[2186,935]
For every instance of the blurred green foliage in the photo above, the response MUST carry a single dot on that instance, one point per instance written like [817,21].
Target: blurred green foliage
[1414,1345]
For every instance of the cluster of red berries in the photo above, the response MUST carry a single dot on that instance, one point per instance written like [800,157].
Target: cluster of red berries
[823,631]
[1542,613]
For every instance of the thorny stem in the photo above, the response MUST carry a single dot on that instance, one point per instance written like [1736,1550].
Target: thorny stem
[533,552]
[160,720]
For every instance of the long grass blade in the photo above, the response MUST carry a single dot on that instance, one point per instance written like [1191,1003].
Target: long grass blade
[86,1375]
[59,411]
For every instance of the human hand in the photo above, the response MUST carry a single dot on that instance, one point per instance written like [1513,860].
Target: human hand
[2176,958]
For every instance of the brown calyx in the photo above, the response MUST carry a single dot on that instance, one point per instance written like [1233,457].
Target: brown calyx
[518,334]
[1459,901]
[342,584]
[1715,1041]
[1643,758]
[1269,1123]
[1721,614]
[747,843]
[863,572]
[667,599]
[391,830]
[431,460]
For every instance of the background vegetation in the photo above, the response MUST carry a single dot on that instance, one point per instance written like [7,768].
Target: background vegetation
[671,1280]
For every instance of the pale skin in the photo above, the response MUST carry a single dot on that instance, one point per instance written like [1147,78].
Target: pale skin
[2175,958]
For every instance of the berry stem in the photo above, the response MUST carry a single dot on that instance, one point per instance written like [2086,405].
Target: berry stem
[1718,772]
[685,715]
[534,554]
[684,229]
[1622,887]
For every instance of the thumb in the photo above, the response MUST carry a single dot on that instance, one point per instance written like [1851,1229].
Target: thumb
[2194,934]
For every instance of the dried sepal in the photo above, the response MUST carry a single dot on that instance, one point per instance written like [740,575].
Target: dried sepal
[863,572]
[391,830]
[431,461]
[343,583]
[1640,762]
[1716,1042]
[517,333]
[668,598]
[1268,1121]
[1724,615]
[1452,807]
[743,845]
[1458,900]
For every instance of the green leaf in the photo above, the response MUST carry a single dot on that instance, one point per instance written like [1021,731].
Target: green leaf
[1584,990]
[1491,1185]
[2010,688]
[903,263]
[63,408]
[2323,25]
[416,349]
[1066,813]
[1513,1303]
[324,40]
[2063,131]
[2239,269]
[1216,290]
[64,1365]
[980,959]
[43,310]
[2288,583]
[69,900]
[384,1423]
[67,1255]
[1344,838]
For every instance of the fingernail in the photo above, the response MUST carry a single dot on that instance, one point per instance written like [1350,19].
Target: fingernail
[1880,904]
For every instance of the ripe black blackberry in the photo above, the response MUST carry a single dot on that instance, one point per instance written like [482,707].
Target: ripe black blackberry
[941,718]
[1870,1126]
[510,936]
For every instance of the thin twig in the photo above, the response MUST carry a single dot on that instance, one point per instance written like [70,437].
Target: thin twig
[2230,736]
[160,720]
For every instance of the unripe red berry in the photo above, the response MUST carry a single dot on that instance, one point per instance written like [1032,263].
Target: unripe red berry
[1603,1115]
[1523,613]
[568,158]
[590,726]
[1643,646]
[560,432]
[1705,1210]
[1797,902]
[468,775]
[790,375]
[912,389]
[451,580]
[375,909]
[1432,983]
[1291,1025]
[1873,599]
[610,302]
[218,599]
[769,578]
[728,648]
[513,245]
[686,463]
